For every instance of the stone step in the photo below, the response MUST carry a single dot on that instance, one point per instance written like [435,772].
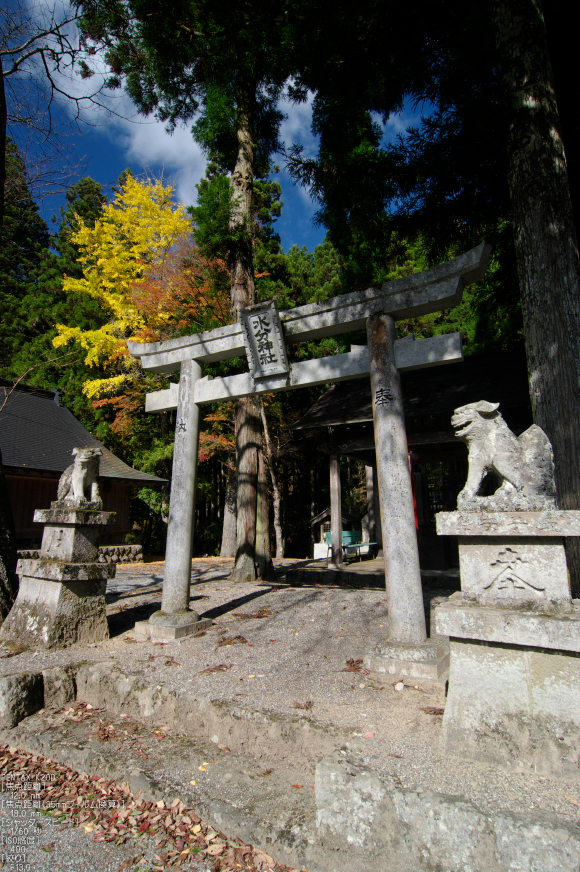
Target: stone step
[337,815]
[255,732]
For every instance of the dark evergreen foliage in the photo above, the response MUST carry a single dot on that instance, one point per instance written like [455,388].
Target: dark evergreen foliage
[24,241]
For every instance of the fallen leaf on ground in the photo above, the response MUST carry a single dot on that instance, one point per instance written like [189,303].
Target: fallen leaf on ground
[214,850]
[303,705]
[232,640]
[572,800]
[223,667]
[298,786]
[262,860]
[264,773]
[368,735]
[353,665]
[131,862]
[432,710]
[121,816]
[263,612]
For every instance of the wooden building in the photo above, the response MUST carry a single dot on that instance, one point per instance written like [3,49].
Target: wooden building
[37,436]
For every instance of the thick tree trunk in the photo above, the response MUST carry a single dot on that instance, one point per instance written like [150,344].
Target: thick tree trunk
[264,563]
[277,499]
[546,243]
[248,436]
[248,439]
[229,534]
[3,122]
[313,513]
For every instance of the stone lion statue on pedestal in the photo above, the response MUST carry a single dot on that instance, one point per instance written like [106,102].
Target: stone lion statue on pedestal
[79,483]
[524,464]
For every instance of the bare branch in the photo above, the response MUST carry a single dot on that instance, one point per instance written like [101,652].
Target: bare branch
[22,52]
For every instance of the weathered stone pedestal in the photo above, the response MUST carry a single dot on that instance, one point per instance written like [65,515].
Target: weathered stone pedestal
[61,599]
[162,627]
[514,681]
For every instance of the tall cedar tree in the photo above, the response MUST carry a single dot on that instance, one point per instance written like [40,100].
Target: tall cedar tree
[24,238]
[488,157]
[24,242]
[546,242]
[212,217]
[226,63]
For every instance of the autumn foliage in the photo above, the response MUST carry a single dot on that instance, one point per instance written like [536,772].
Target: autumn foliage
[141,263]
[181,293]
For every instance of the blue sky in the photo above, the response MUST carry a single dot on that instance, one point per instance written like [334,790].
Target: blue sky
[110,144]
[111,139]
[109,136]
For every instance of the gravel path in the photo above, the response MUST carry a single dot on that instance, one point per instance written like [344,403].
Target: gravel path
[284,650]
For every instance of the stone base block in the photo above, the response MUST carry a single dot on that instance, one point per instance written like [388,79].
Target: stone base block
[558,628]
[514,705]
[20,695]
[428,661]
[514,569]
[166,628]
[512,557]
[57,570]
[55,614]
[59,686]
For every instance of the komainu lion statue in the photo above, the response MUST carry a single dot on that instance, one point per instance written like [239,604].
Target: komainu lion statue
[79,483]
[524,464]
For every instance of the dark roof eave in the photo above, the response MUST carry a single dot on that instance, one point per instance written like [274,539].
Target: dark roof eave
[139,478]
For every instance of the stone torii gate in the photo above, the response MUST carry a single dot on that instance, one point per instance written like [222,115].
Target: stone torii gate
[263,334]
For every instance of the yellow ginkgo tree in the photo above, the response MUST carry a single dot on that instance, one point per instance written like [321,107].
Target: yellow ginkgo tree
[138,231]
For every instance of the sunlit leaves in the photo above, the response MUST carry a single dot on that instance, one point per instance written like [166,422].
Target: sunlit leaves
[138,231]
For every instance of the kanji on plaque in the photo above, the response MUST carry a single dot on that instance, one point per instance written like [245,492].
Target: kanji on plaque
[264,340]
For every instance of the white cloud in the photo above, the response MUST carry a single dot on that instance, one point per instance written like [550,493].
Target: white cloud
[177,156]
[142,140]
[297,125]
[296,128]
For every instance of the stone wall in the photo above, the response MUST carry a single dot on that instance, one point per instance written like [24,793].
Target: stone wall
[107,554]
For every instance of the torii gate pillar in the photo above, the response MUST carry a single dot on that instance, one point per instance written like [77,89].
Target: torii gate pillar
[406,651]
[175,619]
[402,574]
